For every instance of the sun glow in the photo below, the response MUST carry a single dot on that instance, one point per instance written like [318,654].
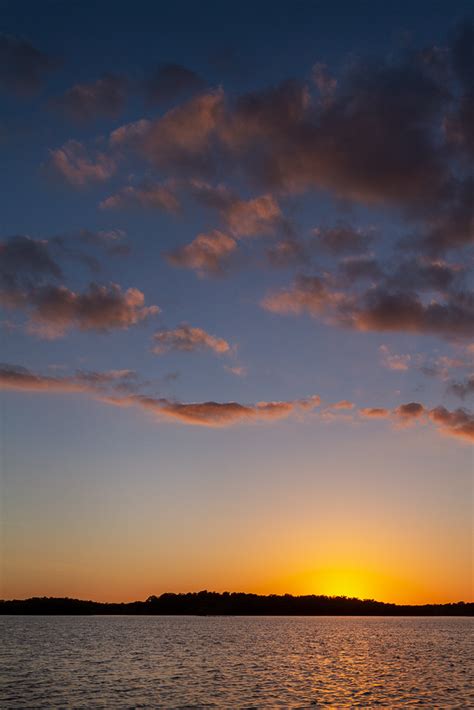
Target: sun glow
[349,582]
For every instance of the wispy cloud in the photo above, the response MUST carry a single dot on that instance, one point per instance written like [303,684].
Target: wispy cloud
[188,339]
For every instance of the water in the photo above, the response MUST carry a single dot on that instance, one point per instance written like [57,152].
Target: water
[235,662]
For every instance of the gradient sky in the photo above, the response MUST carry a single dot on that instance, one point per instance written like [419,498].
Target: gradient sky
[237,308]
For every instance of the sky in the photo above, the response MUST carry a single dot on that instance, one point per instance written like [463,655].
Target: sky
[237,307]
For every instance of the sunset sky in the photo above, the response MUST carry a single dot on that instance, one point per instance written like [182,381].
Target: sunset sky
[237,320]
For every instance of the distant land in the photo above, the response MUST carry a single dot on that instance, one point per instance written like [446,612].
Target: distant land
[234,604]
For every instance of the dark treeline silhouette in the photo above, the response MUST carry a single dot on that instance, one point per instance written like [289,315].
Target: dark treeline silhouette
[234,603]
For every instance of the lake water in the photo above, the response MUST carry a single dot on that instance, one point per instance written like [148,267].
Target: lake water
[235,662]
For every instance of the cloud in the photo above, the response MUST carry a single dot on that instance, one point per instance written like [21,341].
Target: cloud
[129,135]
[23,67]
[382,310]
[249,217]
[325,83]
[72,163]
[111,240]
[360,268]
[56,309]
[206,254]
[209,414]
[343,239]
[378,309]
[217,414]
[182,139]
[86,102]
[169,81]
[460,123]
[152,195]
[25,263]
[458,423]
[384,132]
[188,339]
[243,218]
[28,273]
[307,294]
[410,411]
[392,361]
[424,274]
[343,404]
[451,225]
[13,377]
[462,389]
[237,370]
[374,412]
[286,252]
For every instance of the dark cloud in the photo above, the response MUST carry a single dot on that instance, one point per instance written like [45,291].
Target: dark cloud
[25,263]
[111,240]
[460,121]
[56,309]
[412,410]
[382,310]
[462,389]
[378,137]
[169,81]
[286,252]
[424,275]
[363,268]
[27,275]
[103,98]
[23,67]
[458,423]
[451,225]
[378,309]
[343,239]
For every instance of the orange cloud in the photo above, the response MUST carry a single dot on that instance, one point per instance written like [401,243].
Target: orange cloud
[152,196]
[207,254]
[182,137]
[308,293]
[375,412]
[72,163]
[458,423]
[188,339]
